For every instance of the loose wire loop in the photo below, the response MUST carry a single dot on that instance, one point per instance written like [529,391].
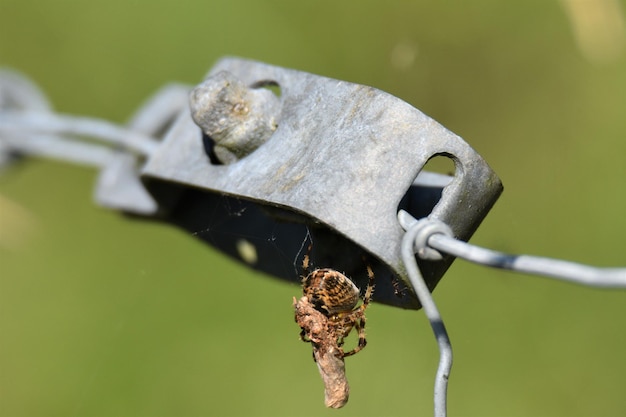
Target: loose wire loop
[432,313]
[424,237]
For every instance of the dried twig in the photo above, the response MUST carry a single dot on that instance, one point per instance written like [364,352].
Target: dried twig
[326,353]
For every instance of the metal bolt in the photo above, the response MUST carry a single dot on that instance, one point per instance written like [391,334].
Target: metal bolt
[239,119]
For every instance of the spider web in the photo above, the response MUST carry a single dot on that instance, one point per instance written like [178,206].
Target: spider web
[274,240]
[263,238]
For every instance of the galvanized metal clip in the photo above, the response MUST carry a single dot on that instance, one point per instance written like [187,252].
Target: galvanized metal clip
[260,160]
[313,156]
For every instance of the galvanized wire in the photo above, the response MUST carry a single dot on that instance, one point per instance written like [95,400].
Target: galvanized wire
[425,235]
[553,268]
[536,265]
[14,123]
[432,313]
[57,147]
[28,126]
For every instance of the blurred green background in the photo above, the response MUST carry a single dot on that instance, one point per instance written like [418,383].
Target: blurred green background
[101,315]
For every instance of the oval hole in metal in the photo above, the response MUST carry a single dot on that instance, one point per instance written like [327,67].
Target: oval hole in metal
[270,85]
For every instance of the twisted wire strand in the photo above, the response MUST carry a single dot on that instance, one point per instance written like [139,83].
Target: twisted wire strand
[12,123]
[29,126]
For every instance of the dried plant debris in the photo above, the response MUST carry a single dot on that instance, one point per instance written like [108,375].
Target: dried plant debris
[326,314]
[326,353]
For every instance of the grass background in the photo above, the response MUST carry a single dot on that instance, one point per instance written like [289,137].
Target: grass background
[101,315]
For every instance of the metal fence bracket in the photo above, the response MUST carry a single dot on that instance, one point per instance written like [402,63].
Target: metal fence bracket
[258,159]
[317,157]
